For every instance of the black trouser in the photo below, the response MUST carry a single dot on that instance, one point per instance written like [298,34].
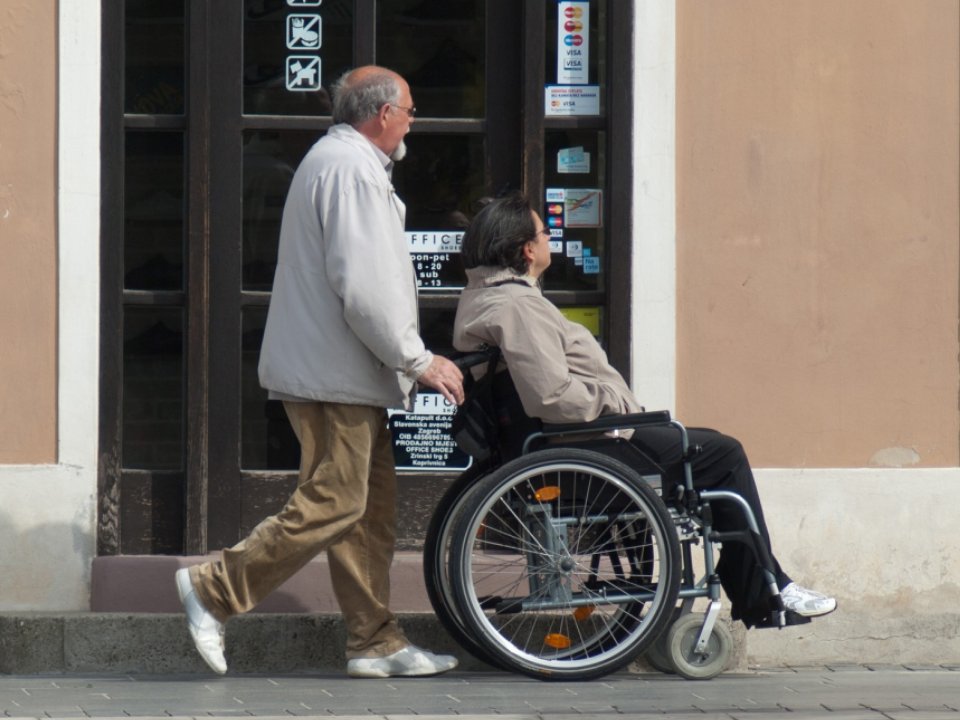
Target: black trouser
[720,465]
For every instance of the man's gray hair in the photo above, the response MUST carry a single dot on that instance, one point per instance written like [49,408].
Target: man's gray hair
[357,101]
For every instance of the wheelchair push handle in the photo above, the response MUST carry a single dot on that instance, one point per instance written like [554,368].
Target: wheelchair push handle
[467,360]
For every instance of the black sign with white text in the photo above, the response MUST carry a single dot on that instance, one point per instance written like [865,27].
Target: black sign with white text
[436,259]
[421,439]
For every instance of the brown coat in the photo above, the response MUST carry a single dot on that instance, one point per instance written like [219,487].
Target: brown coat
[560,370]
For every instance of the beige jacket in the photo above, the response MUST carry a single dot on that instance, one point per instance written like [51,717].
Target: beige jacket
[560,371]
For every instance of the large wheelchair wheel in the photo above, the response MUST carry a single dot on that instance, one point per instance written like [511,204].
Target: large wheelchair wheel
[436,550]
[564,564]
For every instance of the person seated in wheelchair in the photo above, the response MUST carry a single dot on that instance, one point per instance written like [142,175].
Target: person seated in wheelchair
[562,375]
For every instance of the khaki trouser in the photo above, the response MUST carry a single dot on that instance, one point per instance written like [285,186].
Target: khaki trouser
[345,504]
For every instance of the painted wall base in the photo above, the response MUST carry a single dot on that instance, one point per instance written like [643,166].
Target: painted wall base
[47,540]
[884,543]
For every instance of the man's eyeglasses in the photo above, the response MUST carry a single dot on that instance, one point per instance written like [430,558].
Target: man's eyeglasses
[411,111]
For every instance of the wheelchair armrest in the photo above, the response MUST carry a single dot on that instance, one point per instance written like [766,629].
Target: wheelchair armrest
[609,422]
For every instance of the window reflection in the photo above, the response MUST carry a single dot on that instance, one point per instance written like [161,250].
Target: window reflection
[153,211]
[154,64]
[440,180]
[270,158]
[153,388]
[438,46]
[436,329]
[267,440]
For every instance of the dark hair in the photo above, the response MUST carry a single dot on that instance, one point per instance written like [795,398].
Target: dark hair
[498,233]
[357,100]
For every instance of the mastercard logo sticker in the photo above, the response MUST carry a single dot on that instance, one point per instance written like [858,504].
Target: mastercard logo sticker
[555,209]
[573,12]
[573,26]
[573,40]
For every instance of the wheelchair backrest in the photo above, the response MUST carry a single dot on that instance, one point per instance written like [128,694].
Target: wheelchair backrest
[491,425]
[514,426]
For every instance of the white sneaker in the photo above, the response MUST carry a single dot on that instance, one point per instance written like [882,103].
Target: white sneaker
[409,662]
[205,629]
[808,603]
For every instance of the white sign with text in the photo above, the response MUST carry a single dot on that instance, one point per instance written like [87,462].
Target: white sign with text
[573,42]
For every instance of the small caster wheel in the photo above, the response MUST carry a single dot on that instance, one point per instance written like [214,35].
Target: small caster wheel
[658,654]
[657,657]
[681,639]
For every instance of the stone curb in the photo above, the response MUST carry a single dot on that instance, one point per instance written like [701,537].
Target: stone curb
[158,643]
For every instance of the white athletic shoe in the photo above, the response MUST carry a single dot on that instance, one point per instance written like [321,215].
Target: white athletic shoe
[808,603]
[409,662]
[205,629]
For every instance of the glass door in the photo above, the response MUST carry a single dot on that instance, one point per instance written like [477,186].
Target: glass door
[218,102]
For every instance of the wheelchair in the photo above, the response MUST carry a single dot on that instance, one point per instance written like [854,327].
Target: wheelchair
[556,559]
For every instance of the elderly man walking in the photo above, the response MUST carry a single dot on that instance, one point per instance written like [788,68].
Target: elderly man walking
[341,345]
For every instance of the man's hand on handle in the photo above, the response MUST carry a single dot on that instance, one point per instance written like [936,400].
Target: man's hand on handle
[445,377]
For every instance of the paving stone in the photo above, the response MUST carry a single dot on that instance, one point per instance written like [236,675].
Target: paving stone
[821,693]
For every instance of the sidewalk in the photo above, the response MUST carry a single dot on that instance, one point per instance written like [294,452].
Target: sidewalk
[835,693]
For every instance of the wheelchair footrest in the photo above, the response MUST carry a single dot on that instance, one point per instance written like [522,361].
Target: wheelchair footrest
[795,619]
[792,618]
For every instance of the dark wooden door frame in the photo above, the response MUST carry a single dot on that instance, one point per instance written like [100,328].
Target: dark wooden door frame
[111,291]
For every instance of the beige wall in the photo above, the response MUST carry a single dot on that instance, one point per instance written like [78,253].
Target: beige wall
[817,223]
[28,250]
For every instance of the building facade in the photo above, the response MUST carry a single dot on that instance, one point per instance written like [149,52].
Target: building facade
[757,209]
